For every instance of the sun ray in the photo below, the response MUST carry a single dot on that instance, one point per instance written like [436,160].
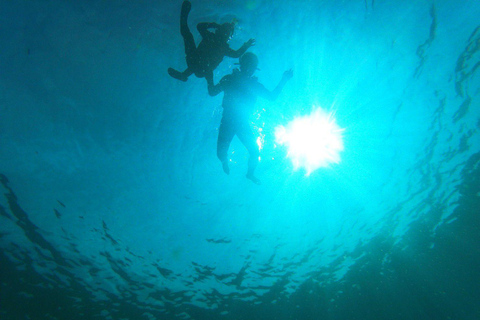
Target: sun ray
[312,141]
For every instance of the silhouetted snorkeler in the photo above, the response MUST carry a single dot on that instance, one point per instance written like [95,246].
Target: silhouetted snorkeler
[202,60]
[241,90]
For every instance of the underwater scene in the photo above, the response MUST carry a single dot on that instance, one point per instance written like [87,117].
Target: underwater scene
[240,159]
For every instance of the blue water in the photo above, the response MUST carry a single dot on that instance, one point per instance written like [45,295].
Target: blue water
[114,206]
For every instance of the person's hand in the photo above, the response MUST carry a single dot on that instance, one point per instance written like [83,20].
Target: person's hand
[288,74]
[250,42]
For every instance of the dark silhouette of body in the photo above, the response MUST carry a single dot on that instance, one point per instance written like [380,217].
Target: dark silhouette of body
[241,90]
[202,60]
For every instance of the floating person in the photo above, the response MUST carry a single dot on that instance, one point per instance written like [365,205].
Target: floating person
[241,90]
[202,60]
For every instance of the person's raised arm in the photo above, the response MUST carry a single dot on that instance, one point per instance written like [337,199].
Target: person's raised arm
[238,53]
[273,95]
[203,27]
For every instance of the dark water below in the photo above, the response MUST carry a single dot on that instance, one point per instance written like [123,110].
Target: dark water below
[434,276]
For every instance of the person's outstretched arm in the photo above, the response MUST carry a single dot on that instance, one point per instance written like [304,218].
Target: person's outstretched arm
[273,95]
[213,89]
[203,27]
[238,53]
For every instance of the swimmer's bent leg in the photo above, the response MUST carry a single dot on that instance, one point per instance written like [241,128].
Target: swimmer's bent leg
[182,76]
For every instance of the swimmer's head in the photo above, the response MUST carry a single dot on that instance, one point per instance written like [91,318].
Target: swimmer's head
[248,63]
[225,31]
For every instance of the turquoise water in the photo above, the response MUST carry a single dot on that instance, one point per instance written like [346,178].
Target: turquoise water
[114,206]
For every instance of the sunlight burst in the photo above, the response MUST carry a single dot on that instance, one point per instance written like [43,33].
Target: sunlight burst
[313,141]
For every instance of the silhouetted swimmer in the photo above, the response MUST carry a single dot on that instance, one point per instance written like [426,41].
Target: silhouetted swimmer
[202,60]
[241,90]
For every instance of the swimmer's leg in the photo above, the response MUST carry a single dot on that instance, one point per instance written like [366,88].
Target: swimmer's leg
[188,40]
[186,7]
[249,140]
[182,76]
[225,136]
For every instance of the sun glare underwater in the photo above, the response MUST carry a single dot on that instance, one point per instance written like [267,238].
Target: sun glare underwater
[313,141]
[114,204]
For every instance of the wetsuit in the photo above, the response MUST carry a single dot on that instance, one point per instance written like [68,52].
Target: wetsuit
[240,95]
[202,60]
